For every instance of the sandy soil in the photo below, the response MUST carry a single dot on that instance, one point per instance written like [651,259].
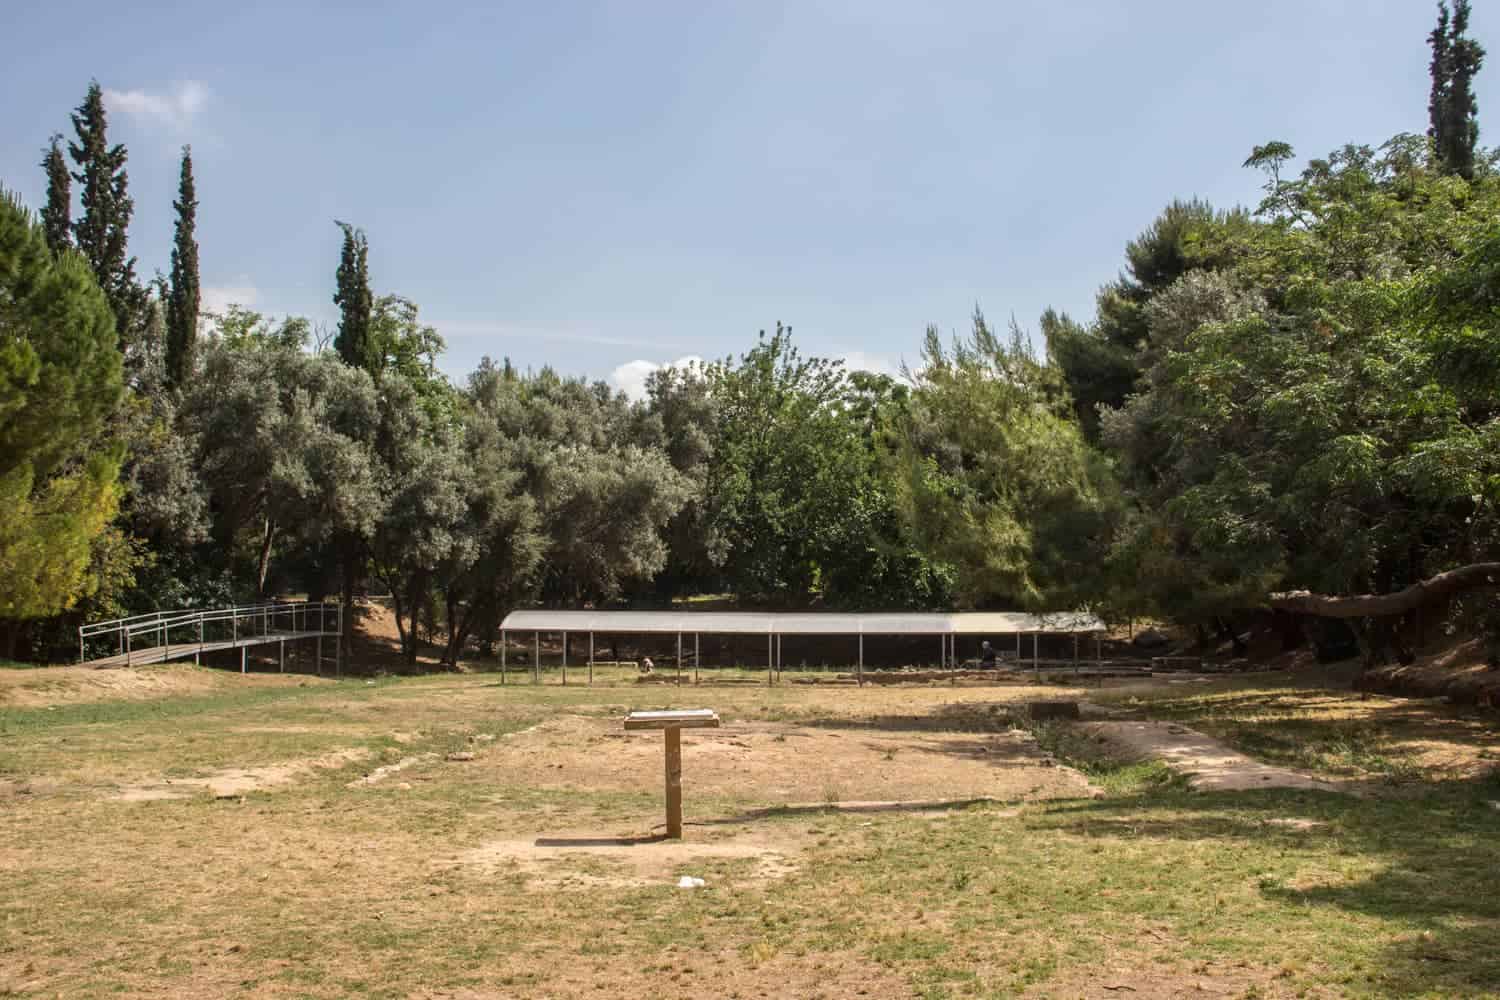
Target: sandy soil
[1209,765]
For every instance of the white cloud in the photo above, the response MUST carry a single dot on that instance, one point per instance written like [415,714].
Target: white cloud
[175,109]
[859,361]
[631,377]
[217,298]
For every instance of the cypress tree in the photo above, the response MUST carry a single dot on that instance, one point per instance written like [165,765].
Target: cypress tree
[354,300]
[1438,70]
[183,299]
[57,215]
[1453,113]
[101,231]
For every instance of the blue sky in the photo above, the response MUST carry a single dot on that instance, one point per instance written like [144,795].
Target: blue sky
[594,184]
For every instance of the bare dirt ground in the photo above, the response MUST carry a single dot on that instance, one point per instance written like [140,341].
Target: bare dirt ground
[237,781]
[1461,674]
[75,685]
[779,763]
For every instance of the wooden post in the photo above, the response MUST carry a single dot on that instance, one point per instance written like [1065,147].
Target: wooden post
[536,659]
[502,657]
[591,658]
[673,737]
[679,659]
[859,668]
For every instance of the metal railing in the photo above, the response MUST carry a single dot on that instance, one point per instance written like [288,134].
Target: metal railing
[207,626]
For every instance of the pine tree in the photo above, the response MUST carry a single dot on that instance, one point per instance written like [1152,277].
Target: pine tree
[183,299]
[1452,110]
[101,232]
[59,382]
[57,216]
[355,301]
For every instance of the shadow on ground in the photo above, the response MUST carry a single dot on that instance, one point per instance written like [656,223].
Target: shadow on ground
[1436,865]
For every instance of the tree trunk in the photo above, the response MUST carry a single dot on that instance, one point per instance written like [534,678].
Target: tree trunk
[268,535]
[350,573]
[1434,588]
[397,605]
[416,588]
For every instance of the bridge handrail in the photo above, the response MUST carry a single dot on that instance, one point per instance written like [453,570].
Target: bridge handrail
[153,617]
[162,620]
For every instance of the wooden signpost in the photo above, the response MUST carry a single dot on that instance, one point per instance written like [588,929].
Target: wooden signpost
[672,723]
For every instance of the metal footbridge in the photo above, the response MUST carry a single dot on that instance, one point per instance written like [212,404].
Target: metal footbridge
[159,636]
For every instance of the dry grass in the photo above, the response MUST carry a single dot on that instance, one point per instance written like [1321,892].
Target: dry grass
[528,870]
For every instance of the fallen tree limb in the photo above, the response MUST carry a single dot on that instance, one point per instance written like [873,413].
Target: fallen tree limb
[1305,602]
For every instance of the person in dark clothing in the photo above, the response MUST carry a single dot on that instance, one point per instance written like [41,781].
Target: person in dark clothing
[986,656]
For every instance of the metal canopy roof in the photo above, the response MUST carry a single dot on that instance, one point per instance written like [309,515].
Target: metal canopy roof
[752,623]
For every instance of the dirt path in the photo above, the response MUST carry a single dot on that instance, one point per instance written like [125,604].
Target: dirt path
[1210,766]
[232,782]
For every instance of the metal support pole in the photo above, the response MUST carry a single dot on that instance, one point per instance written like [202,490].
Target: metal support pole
[282,654]
[770,659]
[320,649]
[198,656]
[780,659]
[127,645]
[1075,652]
[1036,662]
[565,658]
[80,644]
[859,668]
[679,659]
[340,651]
[502,656]
[591,658]
[695,658]
[242,659]
[1098,650]
[166,642]
[536,659]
